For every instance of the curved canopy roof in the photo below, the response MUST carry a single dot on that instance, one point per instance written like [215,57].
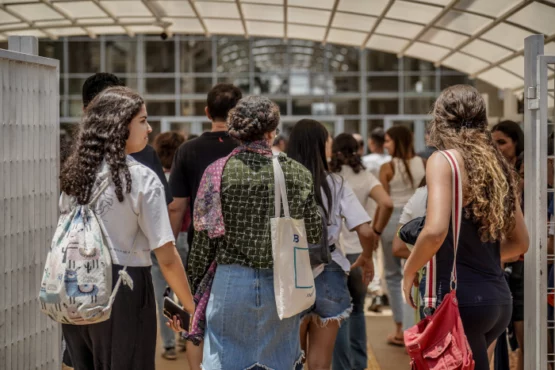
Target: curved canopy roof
[484,38]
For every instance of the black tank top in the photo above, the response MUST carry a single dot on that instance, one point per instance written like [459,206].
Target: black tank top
[480,278]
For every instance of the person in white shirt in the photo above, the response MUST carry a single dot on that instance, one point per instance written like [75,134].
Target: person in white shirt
[307,145]
[132,211]
[401,177]
[378,156]
[415,207]
[350,345]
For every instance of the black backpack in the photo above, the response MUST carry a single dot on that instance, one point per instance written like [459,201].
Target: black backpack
[320,253]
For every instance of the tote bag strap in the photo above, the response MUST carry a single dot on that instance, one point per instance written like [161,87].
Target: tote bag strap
[280,190]
[456,214]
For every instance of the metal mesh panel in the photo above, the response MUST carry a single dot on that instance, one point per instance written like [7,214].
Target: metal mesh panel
[29,132]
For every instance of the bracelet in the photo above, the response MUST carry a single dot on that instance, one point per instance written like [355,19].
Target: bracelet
[375,231]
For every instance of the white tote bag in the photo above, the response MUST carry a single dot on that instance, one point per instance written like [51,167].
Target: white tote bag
[293,280]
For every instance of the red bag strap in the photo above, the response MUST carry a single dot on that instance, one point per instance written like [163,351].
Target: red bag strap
[430,299]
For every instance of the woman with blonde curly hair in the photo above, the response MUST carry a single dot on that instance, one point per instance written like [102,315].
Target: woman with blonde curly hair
[492,227]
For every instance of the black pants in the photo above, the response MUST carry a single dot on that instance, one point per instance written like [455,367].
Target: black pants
[483,325]
[127,341]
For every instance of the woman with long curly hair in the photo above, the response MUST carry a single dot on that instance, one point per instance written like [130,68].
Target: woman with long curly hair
[132,211]
[400,178]
[492,227]
[350,345]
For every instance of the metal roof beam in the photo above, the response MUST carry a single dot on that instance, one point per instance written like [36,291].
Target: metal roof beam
[240,9]
[285,20]
[485,29]
[114,18]
[200,19]
[440,15]
[507,58]
[377,23]
[330,21]
[30,24]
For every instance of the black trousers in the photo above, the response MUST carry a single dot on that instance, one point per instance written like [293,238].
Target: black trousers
[127,341]
[482,325]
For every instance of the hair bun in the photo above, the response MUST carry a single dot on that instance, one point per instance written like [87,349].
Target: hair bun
[252,117]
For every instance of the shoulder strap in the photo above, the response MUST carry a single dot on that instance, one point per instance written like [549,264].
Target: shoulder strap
[280,189]
[456,210]
[456,214]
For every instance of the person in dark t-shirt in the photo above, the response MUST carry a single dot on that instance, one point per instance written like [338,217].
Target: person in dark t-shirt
[191,160]
[194,156]
[97,83]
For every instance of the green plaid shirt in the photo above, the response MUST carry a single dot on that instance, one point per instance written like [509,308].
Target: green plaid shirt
[247,195]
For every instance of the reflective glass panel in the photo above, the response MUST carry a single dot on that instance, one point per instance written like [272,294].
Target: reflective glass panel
[121,56]
[160,56]
[84,57]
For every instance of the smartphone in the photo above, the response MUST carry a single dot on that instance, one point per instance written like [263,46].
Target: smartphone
[172,309]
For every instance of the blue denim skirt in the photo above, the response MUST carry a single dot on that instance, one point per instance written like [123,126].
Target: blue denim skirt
[243,330]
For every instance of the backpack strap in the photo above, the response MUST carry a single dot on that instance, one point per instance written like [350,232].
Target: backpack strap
[123,275]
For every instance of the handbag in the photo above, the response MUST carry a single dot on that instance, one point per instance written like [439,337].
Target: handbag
[409,232]
[294,288]
[438,342]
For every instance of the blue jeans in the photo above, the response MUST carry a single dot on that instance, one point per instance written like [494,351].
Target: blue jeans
[243,329]
[350,346]
[392,266]
[168,336]
[333,301]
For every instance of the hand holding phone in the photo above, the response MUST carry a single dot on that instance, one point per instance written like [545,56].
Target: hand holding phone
[172,309]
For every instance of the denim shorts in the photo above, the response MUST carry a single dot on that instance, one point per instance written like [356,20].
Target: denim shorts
[243,328]
[333,301]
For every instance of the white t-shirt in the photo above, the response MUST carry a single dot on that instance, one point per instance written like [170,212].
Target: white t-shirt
[346,207]
[362,184]
[373,162]
[416,206]
[139,224]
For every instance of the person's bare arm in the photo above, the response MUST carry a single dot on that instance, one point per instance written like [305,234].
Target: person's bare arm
[174,273]
[438,216]
[438,176]
[384,208]
[367,239]
[400,248]
[518,241]
[177,210]
[386,174]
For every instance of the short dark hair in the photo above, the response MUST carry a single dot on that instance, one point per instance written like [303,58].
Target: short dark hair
[378,136]
[97,83]
[221,99]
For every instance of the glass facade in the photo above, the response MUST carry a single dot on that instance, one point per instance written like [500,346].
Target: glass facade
[304,78]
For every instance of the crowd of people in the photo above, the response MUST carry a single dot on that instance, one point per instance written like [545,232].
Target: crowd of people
[188,209]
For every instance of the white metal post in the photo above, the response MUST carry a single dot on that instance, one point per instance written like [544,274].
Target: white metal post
[535,202]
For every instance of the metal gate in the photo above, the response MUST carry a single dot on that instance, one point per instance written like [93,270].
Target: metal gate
[29,160]
[539,341]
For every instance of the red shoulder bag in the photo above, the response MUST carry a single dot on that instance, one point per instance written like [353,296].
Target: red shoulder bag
[438,342]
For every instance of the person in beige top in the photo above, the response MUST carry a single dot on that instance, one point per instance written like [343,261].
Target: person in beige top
[400,178]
